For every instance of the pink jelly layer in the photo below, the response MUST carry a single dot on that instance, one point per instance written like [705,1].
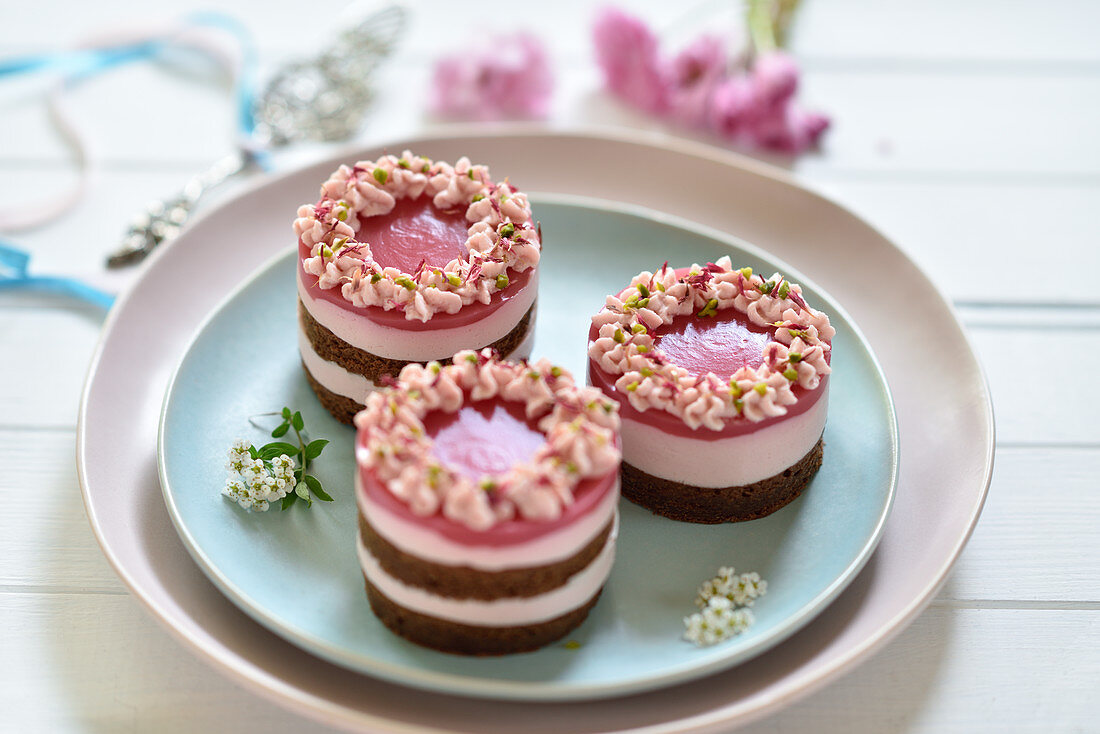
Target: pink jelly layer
[587,496]
[415,230]
[404,246]
[466,441]
[722,344]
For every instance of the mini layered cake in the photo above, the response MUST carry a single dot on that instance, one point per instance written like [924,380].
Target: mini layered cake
[722,381]
[488,496]
[407,260]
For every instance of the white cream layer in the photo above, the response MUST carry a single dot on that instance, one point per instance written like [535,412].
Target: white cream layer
[422,542]
[725,462]
[418,346]
[512,611]
[331,375]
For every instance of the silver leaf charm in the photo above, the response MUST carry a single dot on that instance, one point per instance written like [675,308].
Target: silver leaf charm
[320,99]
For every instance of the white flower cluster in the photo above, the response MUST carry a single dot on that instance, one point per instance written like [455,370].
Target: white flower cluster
[254,484]
[741,590]
[719,620]
[724,602]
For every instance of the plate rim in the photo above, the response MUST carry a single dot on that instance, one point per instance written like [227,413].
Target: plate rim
[456,684]
[793,685]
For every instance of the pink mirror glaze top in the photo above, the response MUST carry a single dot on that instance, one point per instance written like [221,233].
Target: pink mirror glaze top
[488,451]
[710,346]
[722,344]
[414,231]
[407,239]
[484,439]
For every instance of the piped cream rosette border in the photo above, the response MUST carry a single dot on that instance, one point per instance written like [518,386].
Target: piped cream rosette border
[500,237]
[625,347]
[580,423]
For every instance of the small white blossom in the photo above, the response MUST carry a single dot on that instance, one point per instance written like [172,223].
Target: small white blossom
[723,601]
[718,621]
[238,455]
[256,480]
[282,462]
[251,484]
[234,488]
[742,589]
[282,467]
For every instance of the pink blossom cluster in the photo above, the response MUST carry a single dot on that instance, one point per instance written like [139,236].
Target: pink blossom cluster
[506,78]
[697,88]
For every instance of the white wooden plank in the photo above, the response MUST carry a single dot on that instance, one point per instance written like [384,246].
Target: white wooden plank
[44,380]
[128,114]
[75,663]
[100,661]
[884,122]
[1036,540]
[45,539]
[965,671]
[76,245]
[958,123]
[435,25]
[937,30]
[986,242]
[1037,395]
[977,31]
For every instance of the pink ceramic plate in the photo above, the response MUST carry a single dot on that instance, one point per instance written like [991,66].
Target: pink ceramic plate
[946,446]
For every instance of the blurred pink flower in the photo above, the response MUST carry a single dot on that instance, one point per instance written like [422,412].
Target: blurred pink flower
[732,106]
[788,129]
[697,88]
[775,75]
[741,110]
[508,78]
[694,72]
[626,50]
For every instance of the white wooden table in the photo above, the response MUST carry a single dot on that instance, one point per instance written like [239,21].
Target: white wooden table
[967,132]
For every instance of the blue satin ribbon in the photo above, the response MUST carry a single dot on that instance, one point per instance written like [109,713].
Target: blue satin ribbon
[79,65]
[14,276]
[76,64]
[246,78]
[84,63]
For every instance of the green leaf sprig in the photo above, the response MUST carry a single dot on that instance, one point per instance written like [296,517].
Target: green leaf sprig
[306,451]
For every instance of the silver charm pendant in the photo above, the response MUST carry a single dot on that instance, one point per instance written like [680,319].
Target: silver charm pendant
[321,99]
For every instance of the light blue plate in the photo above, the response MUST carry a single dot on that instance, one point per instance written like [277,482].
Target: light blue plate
[296,572]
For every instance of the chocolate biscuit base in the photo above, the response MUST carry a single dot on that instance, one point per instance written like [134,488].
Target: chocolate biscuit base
[714,505]
[371,366]
[465,639]
[462,582]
